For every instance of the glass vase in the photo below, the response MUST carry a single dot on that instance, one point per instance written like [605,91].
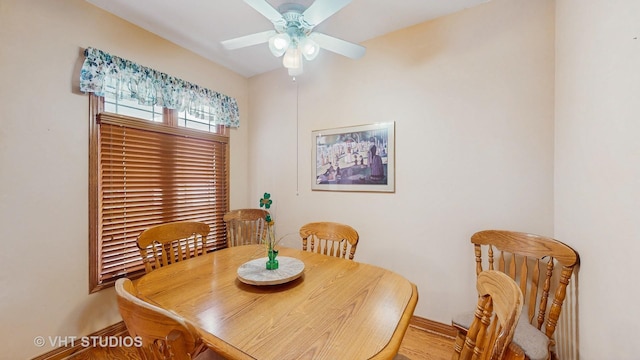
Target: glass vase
[272,262]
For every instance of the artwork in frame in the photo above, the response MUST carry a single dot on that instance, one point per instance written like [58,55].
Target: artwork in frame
[355,158]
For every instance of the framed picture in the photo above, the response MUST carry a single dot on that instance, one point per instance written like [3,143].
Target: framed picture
[356,158]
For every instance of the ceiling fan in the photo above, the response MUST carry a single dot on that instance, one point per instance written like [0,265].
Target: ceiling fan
[293,34]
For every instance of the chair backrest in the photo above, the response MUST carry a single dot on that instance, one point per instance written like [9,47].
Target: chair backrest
[495,318]
[532,261]
[162,334]
[329,238]
[168,243]
[245,226]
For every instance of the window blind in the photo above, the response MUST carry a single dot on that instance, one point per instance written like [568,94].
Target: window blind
[150,174]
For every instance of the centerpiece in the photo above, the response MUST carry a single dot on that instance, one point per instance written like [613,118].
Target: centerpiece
[269,238]
[277,271]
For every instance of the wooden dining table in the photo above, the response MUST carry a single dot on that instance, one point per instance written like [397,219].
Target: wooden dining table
[336,308]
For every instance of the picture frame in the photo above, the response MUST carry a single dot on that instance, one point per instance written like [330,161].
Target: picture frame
[354,158]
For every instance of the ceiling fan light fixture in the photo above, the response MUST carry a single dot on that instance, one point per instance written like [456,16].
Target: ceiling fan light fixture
[279,43]
[292,58]
[293,37]
[309,48]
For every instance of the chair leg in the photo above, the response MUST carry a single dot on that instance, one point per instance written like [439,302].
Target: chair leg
[457,347]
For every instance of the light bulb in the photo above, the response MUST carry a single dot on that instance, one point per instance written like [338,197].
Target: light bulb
[279,43]
[292,58]
[295,71]
[310,48]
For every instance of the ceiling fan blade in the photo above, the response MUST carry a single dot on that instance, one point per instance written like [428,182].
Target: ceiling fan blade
[338,46]
[248,40]
[320,10]
[268,11]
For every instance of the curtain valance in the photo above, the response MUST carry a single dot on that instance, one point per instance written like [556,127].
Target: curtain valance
[151,87]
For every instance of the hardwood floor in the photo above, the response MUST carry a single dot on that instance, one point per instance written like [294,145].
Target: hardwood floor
[418,344]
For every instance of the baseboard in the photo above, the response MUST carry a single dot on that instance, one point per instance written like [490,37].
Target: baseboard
[433,327]
[61,353]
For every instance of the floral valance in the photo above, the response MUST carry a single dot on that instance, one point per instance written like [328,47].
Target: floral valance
[151,87]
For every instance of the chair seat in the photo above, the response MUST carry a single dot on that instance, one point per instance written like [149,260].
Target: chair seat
[532,341]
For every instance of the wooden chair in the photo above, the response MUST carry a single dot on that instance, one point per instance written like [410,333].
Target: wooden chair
[162,334]
[330,238]
[542,266]
[245,226]
[489,335]
[168,243]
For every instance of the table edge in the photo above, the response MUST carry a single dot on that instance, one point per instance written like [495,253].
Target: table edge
[390,350]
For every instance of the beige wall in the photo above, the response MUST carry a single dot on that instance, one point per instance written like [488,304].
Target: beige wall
[597,166]
[44,161]
[472,97]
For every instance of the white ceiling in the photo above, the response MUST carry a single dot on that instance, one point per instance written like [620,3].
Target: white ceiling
[200,25]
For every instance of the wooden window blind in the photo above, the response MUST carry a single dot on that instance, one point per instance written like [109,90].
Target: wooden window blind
[148,174]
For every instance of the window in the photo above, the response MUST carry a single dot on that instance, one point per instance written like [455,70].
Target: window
[119,100]
[158,153]
[192,122]
[148,170]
